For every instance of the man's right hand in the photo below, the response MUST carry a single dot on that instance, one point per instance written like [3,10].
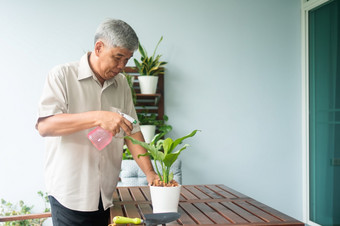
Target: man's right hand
[113,122]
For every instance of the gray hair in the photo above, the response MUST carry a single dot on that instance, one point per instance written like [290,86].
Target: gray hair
[117,33]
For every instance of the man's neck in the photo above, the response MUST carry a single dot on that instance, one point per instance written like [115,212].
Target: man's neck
[92,64]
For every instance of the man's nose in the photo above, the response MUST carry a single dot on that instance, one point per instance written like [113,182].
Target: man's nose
[121,64]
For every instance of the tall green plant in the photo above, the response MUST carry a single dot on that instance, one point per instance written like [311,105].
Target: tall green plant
[149,65]
[163,151]
[9,209]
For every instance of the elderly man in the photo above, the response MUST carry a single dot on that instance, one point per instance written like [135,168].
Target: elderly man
[78,97]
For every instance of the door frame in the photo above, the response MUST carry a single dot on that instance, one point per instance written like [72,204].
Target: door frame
[306,6]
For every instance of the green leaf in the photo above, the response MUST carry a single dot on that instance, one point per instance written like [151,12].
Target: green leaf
[179,140]
[142,50]
[155,139]
[138,65]
[171,158]
[167,145]
[150,148]
[154,52]
[143,144]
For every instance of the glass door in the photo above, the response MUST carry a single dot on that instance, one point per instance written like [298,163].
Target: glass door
[324,113]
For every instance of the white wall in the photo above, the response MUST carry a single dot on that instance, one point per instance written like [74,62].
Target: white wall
[233,72]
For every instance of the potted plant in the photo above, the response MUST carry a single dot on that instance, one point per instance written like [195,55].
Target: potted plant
[165,191]
[130,175]
[149,67]
[148,124]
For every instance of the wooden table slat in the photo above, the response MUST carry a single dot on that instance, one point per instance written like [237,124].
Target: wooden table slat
[125,194]
[116,196]
[187,194]
[173,223]
[227,213]
[145,209]
[116,210]
[195,214]
[231,191]
[209,192]
[271,211]
[131,211]
[259,213]
[221,192]
[185,219]
[137,194]
[197,192]
[212,214]
[243,213]
[146,192]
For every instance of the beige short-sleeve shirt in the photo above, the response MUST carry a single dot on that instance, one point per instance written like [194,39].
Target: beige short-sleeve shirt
[75,171]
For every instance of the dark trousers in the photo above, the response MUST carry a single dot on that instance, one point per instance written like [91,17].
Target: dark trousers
[62,216]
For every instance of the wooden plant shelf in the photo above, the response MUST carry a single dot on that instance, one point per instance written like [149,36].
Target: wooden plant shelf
[152,103]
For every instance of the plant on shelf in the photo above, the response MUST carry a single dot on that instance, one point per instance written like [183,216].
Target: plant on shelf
[149,67]
[149,123]
[163,150]
[151,119]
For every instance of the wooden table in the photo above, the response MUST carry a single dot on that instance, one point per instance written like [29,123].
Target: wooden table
[202,205]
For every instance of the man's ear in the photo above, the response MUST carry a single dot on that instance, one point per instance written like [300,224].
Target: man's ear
[98,47]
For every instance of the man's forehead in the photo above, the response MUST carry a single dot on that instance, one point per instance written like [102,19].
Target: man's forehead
[123,52]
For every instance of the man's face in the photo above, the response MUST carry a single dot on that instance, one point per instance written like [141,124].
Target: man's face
[112,61]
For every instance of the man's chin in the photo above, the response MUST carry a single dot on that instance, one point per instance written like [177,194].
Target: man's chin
[112,74]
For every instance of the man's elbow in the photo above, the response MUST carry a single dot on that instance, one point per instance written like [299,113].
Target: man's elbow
[42,128]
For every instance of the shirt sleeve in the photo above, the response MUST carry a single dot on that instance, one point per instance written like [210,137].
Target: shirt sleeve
[54,97]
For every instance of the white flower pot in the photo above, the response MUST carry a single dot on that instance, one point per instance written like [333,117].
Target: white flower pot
[148,132]
[148,84]
[165,199]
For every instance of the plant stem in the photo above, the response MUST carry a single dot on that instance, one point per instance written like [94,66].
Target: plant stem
[159,174]
[165,174]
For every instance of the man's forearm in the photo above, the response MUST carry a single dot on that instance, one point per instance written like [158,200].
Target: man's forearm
[64,124]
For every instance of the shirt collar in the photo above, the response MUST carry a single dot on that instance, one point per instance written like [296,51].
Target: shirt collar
[85,71]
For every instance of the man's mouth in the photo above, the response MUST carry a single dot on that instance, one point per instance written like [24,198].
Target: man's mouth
[112,73]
